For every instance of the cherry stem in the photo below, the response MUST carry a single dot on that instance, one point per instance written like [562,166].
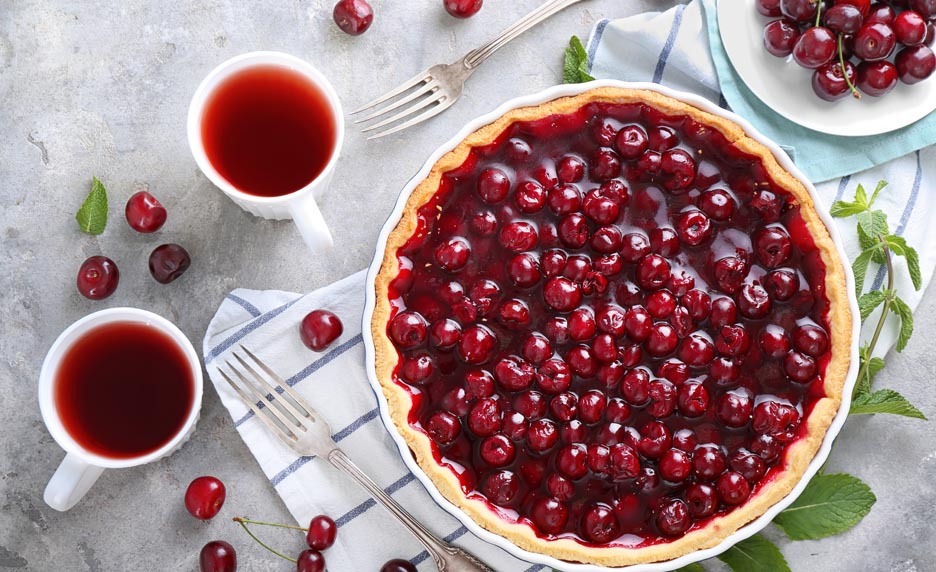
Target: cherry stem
[885,311]
[841,54]
[244,521]
[818,12]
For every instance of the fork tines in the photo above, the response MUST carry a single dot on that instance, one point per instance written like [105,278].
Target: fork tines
[420,98]
[268,395]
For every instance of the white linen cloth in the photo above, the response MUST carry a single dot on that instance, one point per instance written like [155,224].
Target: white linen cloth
[670,48]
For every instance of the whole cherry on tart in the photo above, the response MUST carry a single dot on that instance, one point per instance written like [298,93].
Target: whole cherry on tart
[97,278]
[217,556]
[354,17]
[168,261]
[144,213]
[319,328]
[204,497]
[463,8]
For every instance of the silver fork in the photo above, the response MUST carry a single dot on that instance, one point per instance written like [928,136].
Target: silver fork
[436,89]
[304,429]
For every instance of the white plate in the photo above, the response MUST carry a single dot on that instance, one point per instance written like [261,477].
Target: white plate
[786,88]
[744,532]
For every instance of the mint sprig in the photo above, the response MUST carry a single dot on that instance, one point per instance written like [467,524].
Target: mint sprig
[830,505]
[879,245]
[92,216]
[755,554]
[575,69]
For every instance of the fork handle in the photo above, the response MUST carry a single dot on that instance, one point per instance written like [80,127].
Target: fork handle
[476,57]
[448,558]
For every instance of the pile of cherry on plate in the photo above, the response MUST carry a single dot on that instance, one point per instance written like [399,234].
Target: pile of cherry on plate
[854,46]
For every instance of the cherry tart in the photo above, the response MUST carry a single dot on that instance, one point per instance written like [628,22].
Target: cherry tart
[611,328]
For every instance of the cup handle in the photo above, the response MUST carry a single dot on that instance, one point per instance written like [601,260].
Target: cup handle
[311,224]
[70,483]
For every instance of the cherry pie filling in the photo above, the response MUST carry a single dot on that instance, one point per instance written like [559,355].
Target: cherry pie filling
[612,324]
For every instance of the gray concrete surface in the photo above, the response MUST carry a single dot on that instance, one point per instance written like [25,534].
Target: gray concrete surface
[98,87]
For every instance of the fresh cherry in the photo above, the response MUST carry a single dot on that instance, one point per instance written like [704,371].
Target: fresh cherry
[874,42]
[463,8]
[910,28]
[354,17]
[829,81]
[916,63]
[769,8]
[97,278]
[168,261]
[673,518]
[144,213]
[319,329]
[926,8]
[843,19]
[398,565]
[881,12]
[799,10]
[816,47]
[322,532]
[877,78]
[310,561]
[204,497]
[780,37]
[217,556]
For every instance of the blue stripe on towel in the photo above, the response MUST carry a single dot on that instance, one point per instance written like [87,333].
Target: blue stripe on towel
[535,568]
[458,533]
[309,370]
[366,505]
[239,334]
[337,437]
[668,46]
[251,309]
[904,218]
[596,39]
[843,183]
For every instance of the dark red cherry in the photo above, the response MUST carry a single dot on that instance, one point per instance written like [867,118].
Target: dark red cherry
[497,450]
[408,330]
[881,12]
[708,462]
[144,213]
[564,199]
[910,28]
[463,8]
[477,345]
[662,138]
[916,63]
[701,500]
[562,294]
[310,561]
[204,497]
[354,17]
[693,227]
[599,524]
[800,367]
[606,164]
[493,185]
[829,83]
[398,564]
[815,47]
[926,8]
[570,169]
[811,339]
[864,6]
[877,78]
[693,399]
[874,42]
[319,329]
[549,515]
[443,427]
[733,488]
[843,19]
[673,517]
[452,255]
[631,142]
[718,204]
[322,532]
[97,278]
[624,462]
[780,37]
[678,169]
[734,408]
[799,10]
[781,284]
[542,435]
[501,487]
[769,8]
[664,241]
[217,556]
[484,417]
[168,261]
[530,197]
[730,273]
[675,465]
[749,465]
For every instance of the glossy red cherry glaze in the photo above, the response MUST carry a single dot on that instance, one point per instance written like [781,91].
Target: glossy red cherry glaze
[644,368]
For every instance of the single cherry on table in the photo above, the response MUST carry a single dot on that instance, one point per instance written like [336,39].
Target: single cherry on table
[218,556]
[145,213]
[168,261]
[204,497]
[354,17]
[98,278]
[319,329]
[310,561]
[322,533]
[463,8]
[398,565]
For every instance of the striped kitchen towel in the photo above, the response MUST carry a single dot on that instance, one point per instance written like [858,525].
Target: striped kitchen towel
[669,48]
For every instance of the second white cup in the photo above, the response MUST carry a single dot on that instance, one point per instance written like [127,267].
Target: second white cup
[300,205]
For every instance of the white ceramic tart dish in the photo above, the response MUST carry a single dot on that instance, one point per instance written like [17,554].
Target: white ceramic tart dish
[607,326]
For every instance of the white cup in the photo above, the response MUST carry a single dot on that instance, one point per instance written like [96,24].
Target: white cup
[81,468]
[300,206]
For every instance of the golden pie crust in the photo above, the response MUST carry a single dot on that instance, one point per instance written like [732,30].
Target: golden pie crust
[798,454]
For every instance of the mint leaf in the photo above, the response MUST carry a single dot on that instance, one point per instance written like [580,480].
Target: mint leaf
[691,568]
[92,216]
[869,301]
[843,209]
[906,322]
[830,504]
[899,246]
[872,223]
[884,401]
[861,197]
[875,245]
[860,269]
[877,191]
[575,69]
[755,554]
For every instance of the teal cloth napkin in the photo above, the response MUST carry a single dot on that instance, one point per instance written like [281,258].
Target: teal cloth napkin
[820,156]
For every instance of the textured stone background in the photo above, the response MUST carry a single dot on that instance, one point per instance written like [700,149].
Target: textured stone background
[99,87]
